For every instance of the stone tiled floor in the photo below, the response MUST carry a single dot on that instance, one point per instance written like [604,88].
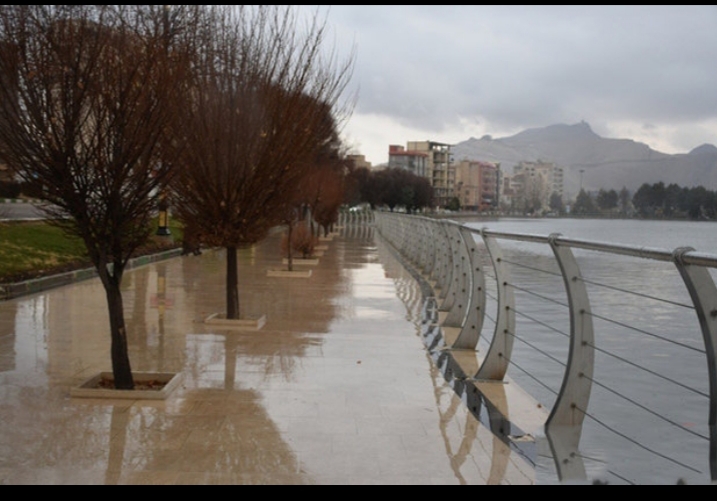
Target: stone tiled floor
[336,388]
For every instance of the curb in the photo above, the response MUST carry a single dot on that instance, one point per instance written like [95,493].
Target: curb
[15,290]
[16,201]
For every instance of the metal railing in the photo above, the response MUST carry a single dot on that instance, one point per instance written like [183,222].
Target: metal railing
[469,271]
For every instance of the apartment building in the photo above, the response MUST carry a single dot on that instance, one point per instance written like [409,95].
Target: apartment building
[531,186]
[477,184]
[413,161]
[359,161]
[439,168]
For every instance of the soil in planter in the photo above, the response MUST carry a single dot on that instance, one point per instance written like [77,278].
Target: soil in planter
[149,385]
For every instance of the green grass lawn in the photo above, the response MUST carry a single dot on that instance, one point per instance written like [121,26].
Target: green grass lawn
[34,249]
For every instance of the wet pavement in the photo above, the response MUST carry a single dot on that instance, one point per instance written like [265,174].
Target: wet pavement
[338,387]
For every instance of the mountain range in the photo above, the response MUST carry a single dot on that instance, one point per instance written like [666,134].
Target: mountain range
[594,162]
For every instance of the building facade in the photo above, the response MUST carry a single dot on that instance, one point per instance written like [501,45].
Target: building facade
[476,185]
[412,161]
[531,186]
[439,169]
[359,161]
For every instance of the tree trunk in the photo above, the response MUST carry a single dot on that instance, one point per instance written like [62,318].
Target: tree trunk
[121,368]
[232,284]
[290,254]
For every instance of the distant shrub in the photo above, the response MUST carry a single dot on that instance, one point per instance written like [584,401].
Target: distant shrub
[302,241]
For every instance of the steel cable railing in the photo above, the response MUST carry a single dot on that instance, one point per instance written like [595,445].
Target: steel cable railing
[645,407]
[579,366]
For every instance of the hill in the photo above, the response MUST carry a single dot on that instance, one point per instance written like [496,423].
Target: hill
[606,163]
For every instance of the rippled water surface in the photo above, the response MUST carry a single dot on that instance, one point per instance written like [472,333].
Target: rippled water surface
[648,415]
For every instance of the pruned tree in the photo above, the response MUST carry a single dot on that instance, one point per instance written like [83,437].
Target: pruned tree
[264,87]
[309,192]
[333,188]
[324,181]
[396,187]
[87,107]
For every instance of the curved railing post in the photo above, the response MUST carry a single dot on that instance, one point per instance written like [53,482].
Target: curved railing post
[453,264]
[574,396]
[427,253]
[564,425]
[473,325]
[703,292]
[431,248]
[459,288]
[495,364]
[445,274]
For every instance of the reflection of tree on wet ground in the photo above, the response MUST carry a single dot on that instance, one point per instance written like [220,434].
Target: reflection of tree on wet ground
[447,370]
[211,447]
[143,440]
[217,362]
[297,310]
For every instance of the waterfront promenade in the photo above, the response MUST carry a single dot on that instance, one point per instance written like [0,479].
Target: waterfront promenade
[338,387]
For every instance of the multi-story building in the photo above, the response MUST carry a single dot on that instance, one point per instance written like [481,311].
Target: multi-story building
[439,169]
[533,184]
[359,161]
[413,161]
[477,184]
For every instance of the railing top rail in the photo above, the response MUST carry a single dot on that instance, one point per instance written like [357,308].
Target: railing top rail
[686,255]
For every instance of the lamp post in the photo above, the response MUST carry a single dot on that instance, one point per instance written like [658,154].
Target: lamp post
[581,179]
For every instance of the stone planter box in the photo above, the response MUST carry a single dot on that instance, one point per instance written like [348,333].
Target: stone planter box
[289,274]
[90,389]
[219,320]
[302,262]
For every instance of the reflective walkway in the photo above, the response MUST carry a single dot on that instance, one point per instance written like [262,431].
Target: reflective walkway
[337,388]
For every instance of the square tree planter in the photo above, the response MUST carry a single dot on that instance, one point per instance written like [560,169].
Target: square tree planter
[302,262]
[250,324]
[288,274]
[164,383]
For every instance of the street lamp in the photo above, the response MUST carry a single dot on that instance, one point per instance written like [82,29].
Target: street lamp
[581,179]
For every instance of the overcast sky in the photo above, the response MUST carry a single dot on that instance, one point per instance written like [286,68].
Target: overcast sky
[449,73]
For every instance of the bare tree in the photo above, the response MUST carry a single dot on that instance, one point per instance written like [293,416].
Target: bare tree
[312,192]
[87,105]
[329,191]
[264,88]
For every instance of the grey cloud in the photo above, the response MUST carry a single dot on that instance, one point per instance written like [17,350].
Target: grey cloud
[528,66]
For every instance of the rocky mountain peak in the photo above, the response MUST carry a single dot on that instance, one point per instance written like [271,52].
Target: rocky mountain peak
[593,160]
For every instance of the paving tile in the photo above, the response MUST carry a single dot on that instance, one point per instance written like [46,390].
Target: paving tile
[335,388]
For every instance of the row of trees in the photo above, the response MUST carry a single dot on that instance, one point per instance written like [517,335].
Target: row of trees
[606,201]
[392,188]
[222,111]
[650,201]
[658,200]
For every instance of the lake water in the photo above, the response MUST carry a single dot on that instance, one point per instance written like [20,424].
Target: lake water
[648,415]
